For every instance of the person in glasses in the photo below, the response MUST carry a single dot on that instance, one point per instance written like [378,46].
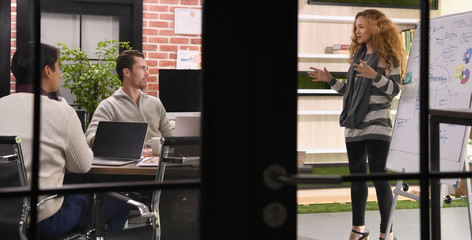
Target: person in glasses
[129,103]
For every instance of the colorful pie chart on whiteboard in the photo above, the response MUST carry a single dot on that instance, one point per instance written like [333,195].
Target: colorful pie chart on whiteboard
[467,55]
[465,76]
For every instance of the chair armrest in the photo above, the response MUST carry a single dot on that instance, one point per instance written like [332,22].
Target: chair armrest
[143,208]
[182,160]
[10,157]
[47,199]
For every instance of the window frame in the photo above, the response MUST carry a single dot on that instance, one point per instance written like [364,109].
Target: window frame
[5,46]
[129,12]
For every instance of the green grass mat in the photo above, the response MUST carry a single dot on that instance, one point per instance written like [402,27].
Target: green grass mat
[338,207]
[343,170]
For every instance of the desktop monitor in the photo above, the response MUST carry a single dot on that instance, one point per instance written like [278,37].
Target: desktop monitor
[179,91]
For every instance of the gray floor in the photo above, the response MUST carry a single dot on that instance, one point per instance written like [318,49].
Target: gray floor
[336,226]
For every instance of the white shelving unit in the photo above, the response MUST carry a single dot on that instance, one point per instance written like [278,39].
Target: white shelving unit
[322,150]
[327,112]
[319,112]
[340,19]
[319,134]
[348,19]
[323,56]
[316,91]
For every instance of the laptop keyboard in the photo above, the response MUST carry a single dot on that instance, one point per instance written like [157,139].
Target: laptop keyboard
[112,161]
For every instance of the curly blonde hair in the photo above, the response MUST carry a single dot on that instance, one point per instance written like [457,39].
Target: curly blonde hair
[385,37]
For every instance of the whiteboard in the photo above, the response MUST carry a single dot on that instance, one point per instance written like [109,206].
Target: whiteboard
[450,88]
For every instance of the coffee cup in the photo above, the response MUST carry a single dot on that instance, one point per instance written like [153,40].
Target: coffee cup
[156,143]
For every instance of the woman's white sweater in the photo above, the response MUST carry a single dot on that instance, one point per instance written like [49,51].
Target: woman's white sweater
[62,141]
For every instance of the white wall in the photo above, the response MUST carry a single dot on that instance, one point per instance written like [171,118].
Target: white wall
[454,6]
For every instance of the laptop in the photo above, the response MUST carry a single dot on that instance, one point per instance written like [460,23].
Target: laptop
[118,143]
[187,126]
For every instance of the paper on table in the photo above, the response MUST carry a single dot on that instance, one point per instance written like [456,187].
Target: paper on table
[148,162]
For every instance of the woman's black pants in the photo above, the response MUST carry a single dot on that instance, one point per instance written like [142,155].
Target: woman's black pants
[375,151]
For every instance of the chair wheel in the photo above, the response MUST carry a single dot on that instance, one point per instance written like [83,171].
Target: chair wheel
[405,187]
[447,199]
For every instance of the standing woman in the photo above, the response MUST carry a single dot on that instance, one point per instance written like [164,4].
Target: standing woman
[374,79]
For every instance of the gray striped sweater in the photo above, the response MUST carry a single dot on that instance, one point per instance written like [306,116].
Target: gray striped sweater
[377,123]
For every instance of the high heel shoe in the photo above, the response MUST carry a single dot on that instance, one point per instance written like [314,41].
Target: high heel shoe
[394,238]
[365,234]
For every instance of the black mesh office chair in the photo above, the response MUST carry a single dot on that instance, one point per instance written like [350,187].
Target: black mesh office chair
[178,209]
[12,174]
[14,211]
[174,212]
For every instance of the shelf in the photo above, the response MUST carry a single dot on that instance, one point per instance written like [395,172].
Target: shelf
[317,91]
[323,150]
[349,19]
[327,112]
[323,56]
[319,112]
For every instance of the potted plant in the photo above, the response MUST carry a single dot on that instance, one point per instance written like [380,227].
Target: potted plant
[91,81]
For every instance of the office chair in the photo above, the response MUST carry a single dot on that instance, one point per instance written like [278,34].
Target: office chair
[13,174]
[14,217]
[13,221]
[174,213]
[178,209]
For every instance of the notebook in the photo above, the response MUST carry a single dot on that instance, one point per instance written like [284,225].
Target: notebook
[118,143]
[187,126]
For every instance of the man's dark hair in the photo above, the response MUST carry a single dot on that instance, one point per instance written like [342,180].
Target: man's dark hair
[126,60]
[22,63]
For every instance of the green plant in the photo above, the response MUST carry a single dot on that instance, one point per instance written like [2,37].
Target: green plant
[90,81]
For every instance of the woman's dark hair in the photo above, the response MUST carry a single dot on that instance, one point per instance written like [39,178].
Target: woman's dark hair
[22,63]
[126,60]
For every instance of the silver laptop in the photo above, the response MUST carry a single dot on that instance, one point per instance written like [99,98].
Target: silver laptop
[118,143]
[187,126]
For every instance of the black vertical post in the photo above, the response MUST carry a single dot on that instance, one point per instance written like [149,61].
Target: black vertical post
[35,31]
[435,182]
[276,94]
[260,106]
[223,26]
[5,33]
[424,111]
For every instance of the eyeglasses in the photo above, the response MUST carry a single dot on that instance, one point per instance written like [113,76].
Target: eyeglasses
[143,68]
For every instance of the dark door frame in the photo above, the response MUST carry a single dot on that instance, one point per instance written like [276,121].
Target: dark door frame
[5,45]
[130,13]
[250,126]
[249,118]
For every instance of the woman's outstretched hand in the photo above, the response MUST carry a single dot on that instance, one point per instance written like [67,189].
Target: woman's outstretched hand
[364,70]
[319,75]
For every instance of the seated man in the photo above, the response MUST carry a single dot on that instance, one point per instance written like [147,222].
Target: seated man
[129,103]
[62,143]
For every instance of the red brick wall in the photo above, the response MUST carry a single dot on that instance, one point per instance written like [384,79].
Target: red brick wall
[160,44]
[13,41]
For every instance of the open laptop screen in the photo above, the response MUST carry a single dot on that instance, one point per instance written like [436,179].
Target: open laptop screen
[119,139]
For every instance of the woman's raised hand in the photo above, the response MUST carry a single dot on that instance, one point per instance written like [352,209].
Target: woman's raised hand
[319,75]
[364,70]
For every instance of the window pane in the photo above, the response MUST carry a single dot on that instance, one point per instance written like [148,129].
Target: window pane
[325,33]
[58,27]
[96,29]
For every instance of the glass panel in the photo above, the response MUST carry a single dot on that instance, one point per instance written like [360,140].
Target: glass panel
[58,27]
[178,214]
[454,211]
[96,29]
[162,49]
[63,28]
[12,167]
[325,35]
